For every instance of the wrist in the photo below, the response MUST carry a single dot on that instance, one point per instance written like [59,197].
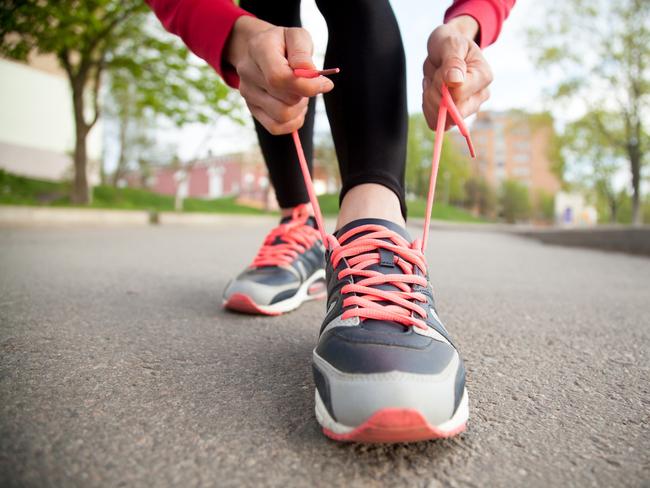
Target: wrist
[244,28]
[465,25]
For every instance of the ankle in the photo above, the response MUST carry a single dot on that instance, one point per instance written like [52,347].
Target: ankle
[370,201]
[288,212]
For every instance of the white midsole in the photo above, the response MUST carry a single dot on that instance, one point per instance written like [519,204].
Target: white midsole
[302,295]
[326,421]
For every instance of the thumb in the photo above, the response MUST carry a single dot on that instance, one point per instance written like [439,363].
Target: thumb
[299,48]
[454,68]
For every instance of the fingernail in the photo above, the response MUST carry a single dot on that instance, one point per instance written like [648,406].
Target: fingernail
[327,85]
[425,83]
[455,75]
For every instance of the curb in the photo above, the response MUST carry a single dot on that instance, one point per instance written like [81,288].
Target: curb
[16,215]
[628,240]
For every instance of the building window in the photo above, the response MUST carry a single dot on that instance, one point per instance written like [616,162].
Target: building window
[522,158]
[522,145]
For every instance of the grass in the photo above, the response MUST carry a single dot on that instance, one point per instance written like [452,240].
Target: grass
[18,190]
[441,211]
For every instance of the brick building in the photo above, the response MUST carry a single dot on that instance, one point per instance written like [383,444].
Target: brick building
[242,175]
[517,146]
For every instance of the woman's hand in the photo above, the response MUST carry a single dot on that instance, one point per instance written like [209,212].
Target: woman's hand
[454,57]
[265,56]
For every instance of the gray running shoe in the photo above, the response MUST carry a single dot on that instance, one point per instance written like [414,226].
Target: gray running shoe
[385,367]
[287,271]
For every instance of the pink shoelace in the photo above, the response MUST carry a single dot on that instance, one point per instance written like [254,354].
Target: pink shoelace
[283,244]
[365,300]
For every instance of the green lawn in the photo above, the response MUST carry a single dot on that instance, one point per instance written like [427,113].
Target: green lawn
[440,211]
[17,190]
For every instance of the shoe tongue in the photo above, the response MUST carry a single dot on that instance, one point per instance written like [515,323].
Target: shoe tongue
[385,266]
[311,221]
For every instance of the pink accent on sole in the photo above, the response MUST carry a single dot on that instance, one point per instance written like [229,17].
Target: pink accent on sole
[318,289]
[243,303]
[395,425]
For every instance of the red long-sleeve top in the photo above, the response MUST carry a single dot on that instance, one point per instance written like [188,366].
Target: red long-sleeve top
[204,25]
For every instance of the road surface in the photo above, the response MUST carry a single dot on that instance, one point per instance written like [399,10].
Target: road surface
[119,368]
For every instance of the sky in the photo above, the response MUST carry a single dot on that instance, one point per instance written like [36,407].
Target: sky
[516,83]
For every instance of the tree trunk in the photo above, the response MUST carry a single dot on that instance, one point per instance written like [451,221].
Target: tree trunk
[613,209]
[121,162]
[80,193]
[635,163]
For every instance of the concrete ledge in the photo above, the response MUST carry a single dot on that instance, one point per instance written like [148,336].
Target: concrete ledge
[177,218]
[23,215]
[630,240]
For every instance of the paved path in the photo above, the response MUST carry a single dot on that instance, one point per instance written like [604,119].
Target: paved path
[118,367]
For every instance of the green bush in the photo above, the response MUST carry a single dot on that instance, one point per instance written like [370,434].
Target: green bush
[515,201]
[480,197]
[545,206]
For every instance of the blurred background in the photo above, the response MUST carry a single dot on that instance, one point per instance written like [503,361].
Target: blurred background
[102,108]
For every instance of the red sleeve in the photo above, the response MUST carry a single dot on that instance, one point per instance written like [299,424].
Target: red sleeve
[204,26]
[489,14]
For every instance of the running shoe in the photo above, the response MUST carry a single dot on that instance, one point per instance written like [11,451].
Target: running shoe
[286,272]
[385,367]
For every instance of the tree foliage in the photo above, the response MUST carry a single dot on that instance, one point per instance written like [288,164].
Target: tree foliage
[480,197]
[595,162]
[599,50]
[95,38]
[454,165]
[515,201]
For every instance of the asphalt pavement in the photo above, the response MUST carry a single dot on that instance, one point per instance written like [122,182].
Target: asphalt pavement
[118,366]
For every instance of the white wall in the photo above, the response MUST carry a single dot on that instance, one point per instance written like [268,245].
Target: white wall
[37,124]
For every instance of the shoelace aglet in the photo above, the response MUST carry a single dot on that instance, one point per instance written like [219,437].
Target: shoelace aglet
[314,73]
[472,153]
[457,118]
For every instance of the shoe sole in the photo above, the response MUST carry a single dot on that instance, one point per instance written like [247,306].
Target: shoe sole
[390,425]
[312,289]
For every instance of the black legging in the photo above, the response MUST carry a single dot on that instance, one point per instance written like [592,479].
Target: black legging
[367,108]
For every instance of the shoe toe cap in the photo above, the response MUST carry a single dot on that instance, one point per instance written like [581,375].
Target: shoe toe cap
[262,286]
[358,374]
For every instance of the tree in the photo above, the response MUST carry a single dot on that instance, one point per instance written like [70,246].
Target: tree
[515,201]
[544,206]
[454,165]
[594,161]
[480,198]
[600,51]
[95,38]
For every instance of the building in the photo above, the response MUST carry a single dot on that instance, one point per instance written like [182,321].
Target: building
[242,175]
[517,146]
[571,210]
[37,124]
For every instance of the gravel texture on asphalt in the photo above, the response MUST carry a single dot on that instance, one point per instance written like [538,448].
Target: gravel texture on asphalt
[118,366]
